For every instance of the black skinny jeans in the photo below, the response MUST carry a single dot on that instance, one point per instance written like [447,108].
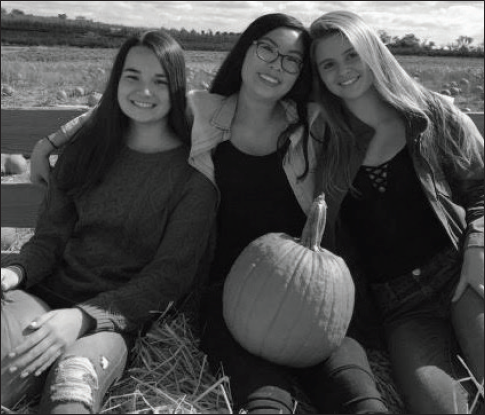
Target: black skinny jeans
[341,384]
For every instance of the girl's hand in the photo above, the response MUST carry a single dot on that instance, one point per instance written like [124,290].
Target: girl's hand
[39,163]
[471,272]
[10,279]
[50,335]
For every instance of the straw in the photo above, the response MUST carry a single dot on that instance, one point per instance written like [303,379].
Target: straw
[169,374]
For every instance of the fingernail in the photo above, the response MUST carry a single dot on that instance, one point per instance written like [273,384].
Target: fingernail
[24,374]
[11,355]
[33,324]
[12,369]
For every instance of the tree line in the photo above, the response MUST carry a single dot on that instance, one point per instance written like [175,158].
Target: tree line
[20,29]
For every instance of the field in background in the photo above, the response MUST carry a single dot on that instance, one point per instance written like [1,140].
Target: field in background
[37,74]
[33,76]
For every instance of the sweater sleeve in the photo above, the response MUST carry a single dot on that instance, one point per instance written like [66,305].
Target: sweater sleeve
[173,269]
[41,254]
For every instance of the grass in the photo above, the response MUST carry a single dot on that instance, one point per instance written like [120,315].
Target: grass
[36,74]
[440,74]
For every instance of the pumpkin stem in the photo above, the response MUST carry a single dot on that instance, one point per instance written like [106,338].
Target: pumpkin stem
[315,224]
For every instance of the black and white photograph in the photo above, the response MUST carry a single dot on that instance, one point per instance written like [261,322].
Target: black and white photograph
[253,207]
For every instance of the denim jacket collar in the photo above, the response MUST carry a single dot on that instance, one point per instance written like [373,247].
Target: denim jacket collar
[213,117]
[223,117]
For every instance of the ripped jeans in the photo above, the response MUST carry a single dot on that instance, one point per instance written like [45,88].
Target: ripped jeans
[79,379]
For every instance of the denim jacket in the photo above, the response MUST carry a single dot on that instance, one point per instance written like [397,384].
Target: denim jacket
[455,195]
[212,118]
[213,115]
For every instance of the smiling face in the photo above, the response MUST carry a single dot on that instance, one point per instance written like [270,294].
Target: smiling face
[143,92]
[341,69]
[268,80]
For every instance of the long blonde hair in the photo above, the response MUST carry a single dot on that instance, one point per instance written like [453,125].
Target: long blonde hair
[445,138]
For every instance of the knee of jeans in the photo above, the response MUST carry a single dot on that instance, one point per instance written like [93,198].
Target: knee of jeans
[269,399]
[349,354]
[75,380]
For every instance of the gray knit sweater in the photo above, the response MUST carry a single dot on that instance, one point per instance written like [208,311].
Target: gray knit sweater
[129,246]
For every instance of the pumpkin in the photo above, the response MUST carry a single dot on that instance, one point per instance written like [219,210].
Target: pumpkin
[287,300]
[19,309]
[9,237]
[14,164]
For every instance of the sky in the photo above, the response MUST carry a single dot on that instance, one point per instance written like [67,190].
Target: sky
[439,21]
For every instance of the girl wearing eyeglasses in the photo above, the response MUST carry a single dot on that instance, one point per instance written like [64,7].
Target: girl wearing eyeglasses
[250,137]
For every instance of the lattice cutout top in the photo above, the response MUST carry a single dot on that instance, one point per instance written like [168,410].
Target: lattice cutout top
[378,176]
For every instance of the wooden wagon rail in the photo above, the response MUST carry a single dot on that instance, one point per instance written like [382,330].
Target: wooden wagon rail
[21,129]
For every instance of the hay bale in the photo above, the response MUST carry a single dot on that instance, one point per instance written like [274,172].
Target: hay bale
[9,237]
[14,164]
[381,367]
[169,374]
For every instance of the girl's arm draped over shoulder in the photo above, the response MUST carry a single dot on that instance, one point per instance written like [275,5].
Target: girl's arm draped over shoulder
[40,166]
[173,269]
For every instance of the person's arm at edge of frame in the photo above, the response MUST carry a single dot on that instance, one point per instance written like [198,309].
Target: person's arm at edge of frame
[467,185]
[40,167]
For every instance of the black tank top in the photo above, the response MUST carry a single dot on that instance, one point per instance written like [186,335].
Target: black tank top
[256,199]
[391,219]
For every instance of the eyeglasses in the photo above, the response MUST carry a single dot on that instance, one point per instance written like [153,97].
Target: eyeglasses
[269,53]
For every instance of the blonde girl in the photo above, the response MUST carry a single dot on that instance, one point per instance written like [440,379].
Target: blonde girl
[402,168]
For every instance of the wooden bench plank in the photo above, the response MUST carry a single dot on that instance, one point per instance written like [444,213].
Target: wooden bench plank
[22,128]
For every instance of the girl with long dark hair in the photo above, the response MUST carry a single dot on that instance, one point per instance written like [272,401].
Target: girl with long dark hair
[121,232]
